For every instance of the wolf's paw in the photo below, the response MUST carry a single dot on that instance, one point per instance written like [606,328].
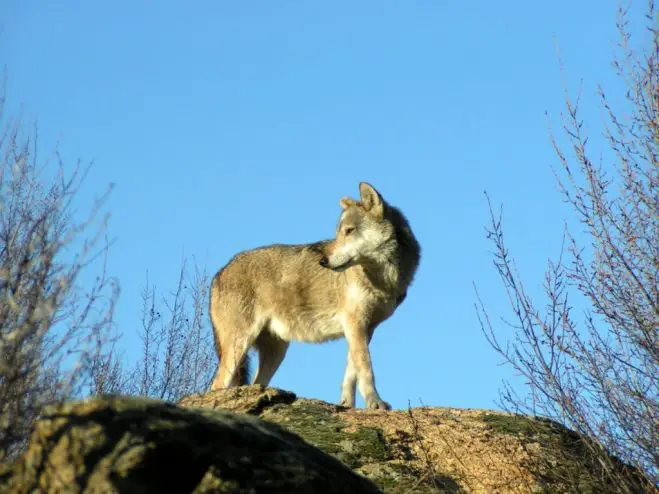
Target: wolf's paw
[347,402]
[378,404]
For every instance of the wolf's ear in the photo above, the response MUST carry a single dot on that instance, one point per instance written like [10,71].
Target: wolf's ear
[346,202]
[371,199]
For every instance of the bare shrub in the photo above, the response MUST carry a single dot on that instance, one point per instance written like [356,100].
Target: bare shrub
[57,337]
[51,327]
[598,376]
[177,354]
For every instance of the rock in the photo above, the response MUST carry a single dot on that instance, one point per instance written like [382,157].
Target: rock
[136,445]
[242,399]
[428,449]
[237,440]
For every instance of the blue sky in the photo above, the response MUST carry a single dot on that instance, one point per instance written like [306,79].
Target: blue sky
[229,125]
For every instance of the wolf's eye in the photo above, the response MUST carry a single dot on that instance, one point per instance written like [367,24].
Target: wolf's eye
[348,230]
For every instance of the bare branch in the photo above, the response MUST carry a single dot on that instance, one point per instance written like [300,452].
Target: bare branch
[598,376]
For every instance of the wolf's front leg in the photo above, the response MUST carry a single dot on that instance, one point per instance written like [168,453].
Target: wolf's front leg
[349,385]
[361,358]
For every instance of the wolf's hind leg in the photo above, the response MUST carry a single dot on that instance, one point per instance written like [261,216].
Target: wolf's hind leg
[272,351]
[231,371]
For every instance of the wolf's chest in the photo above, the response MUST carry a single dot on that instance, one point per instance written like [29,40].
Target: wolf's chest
[308,326]
[318,324]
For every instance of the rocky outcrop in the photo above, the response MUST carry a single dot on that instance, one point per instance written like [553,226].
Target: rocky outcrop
[428,449]
[134,445]
[254,439]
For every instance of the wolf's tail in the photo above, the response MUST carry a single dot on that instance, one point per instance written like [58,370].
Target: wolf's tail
[244,371]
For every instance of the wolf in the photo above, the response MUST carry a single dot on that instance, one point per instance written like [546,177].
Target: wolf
[267,297]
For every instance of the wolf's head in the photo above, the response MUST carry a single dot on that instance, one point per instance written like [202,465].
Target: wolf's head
[364,234]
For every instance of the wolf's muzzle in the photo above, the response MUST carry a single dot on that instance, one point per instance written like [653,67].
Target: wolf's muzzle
[324,262]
